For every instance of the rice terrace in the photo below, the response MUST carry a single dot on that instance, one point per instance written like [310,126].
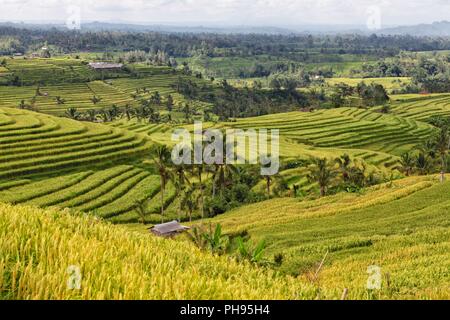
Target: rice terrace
[93,205]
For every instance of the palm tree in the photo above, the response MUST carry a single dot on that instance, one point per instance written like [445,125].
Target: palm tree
[407,163]
[60,100]
[423,163]
[104,115]
[162,156]
[429,148]
[91,115]
[268,184]
[323,173]
[156,98]
[199,171]
[180,180]
[223,172]
[96,99]
[344,162]
[169,103]
[139,208]
[187,112]
[114,111]
[128,111]
[442,147]
[188,201]
[72,113]
[22,104]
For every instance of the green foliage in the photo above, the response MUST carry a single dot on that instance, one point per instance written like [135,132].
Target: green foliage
[248,252]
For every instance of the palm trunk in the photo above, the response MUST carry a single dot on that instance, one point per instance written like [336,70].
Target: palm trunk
[214,183]
[201,196]
[179,211]
[322,191]
[162,199]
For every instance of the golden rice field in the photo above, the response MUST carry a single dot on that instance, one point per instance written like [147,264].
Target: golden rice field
[408,240]
[38,246]
[402,227]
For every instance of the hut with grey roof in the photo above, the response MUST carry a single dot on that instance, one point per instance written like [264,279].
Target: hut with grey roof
[168,229]
[105,66]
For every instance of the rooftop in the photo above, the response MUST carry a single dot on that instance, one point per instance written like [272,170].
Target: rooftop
[168,228]
[105,65]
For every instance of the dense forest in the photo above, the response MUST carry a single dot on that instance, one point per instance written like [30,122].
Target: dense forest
[216,45]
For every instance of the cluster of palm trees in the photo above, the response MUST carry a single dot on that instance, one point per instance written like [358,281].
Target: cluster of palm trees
[114,113]
[343,173]
[195,182]
[431,156]
[189,181]
[94,115]
[145,111]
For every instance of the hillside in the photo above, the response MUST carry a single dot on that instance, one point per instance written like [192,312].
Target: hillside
[89,136]
[117,264]
[403,228]
[407,238]
[34,143]
[54,85]
[422,107]
[441,28]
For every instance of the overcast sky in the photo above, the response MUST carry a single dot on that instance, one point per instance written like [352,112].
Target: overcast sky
[231,12]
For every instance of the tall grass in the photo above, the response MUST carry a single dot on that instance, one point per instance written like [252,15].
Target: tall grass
[38,246]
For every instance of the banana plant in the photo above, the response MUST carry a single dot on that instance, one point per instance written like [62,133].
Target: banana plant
[254,255]
[217,242]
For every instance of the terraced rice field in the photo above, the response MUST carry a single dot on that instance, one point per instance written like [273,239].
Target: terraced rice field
[389,83]
[56,70]
[76,83]
[12,96]
[350,128]
[419,107]
[376,138]
[33,143]
[79,95]
[162,83]
[408,237]
[369,132]
[329,134]
[38,146]
[110,193]
[157,132]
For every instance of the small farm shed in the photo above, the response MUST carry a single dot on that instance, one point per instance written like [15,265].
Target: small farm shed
[105,66]
[168,229]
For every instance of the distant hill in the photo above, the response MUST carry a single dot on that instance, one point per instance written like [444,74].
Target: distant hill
[95,26]
[130,27]
[441,28]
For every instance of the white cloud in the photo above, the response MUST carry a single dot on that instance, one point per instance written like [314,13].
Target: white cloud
[256,12]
